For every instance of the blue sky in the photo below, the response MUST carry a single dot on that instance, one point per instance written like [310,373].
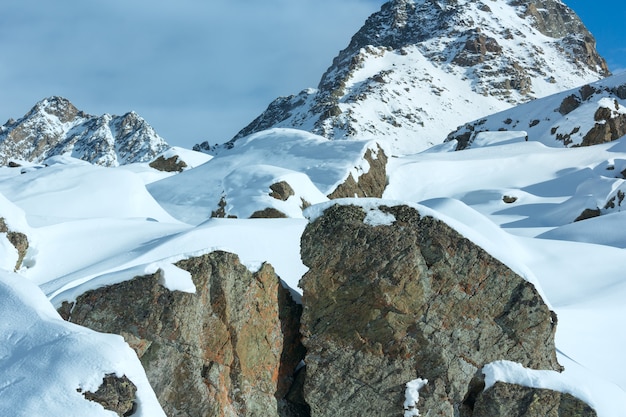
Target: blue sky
[607,21]
[194,69]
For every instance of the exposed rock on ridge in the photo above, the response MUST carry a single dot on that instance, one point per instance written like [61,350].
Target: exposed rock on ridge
[426,60]
[588,115]
[388,302]
[54,126]
[18,239]
[230,349]
[116,394]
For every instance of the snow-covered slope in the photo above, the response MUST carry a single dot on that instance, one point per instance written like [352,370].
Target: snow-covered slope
[55,127]
[517,199]
[239,179]
[418,69]
[591,114]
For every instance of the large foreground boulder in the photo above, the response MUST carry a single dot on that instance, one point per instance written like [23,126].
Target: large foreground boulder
[392,296]
[230,349]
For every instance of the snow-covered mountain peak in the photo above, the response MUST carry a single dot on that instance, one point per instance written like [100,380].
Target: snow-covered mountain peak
[54,126]
[419,68]
[55,106]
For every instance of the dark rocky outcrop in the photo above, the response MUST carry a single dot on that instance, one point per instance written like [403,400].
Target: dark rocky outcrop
[598,109]
[171,164]
[18,240]
[569,104]
[588,214]
[230,349]
[115,394]
[281,191]
[512,400]
[370,184]
[610,126]
[386,304]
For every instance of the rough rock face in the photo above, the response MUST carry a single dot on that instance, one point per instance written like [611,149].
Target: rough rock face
[416,62]
[115,394]
[230,349]
[369,184]
[54,126]
[171,164]
[516,401]
[18,240]
[388,302]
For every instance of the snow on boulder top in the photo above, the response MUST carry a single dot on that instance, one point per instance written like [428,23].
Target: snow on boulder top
[54,126]
[46,363]
[417,69]
[238,181]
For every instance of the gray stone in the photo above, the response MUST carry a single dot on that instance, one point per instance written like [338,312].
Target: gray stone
[386,304]
[115,394]
[510,400]
[230,349]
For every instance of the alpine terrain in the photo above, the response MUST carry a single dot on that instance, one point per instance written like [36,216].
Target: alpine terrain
[55,127]
[436,230]
[418,69]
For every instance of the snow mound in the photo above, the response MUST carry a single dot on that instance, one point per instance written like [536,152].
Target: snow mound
[45,360]
[241,176]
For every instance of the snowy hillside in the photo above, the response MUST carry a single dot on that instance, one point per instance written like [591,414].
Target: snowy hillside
[417,69]
[517,199]
[240,179]
[103,224]
[55,127]
[588,115]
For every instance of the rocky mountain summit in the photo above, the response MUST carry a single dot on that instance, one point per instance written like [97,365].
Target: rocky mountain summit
[417,69]
[54,126]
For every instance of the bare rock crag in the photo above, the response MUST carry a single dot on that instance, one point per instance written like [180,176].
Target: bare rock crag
[230,349]
[386,304]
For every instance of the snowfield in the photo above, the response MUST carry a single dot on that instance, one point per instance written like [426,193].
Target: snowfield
[90,226]
[519,195]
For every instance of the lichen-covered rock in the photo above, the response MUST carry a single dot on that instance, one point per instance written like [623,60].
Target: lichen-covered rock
[116,394]
[230,349]
[369,184]
[409,297]
[171,164]
[513,400]
[18,239]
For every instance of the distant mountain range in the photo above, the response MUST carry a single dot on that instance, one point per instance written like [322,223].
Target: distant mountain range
[54,126]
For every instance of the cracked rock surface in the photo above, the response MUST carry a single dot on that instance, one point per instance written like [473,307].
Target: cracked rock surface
[386,304]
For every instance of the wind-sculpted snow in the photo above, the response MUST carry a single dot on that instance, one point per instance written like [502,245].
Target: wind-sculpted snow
[239,179]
